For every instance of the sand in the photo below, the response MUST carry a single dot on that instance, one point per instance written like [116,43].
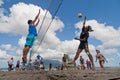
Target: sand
[71,74]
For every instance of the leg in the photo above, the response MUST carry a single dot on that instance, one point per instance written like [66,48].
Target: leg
[82,67]
[25,52]
[29,42]
[76,56]
[102,64]
[90,57]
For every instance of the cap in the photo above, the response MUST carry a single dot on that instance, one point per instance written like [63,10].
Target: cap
[90,28]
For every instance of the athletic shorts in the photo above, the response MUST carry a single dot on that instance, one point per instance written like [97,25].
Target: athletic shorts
[30,40]
[83,45]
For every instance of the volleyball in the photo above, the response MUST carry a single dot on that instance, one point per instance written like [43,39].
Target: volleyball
[79,15]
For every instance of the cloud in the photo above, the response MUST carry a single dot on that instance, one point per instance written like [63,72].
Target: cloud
[110,51]
[4,55]
[16,21]
[1,2]
[64,47]
[21,41]
[50,36]
[7,47]
[68,46]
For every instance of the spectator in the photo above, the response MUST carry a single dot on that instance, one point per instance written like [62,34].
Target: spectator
[10,64]
[50,66]
[64,60]
[82,63]
[88,63]
[101,59]
[18,65]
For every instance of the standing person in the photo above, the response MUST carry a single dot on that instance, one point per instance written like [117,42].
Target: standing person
[29,65]
[10,64]
[64,60]
[31,36]
[101,59]
[38,59]
[82,63]
[88,63]
[36,65]
[84,43]
[50,66]
[42,64]
[18,65]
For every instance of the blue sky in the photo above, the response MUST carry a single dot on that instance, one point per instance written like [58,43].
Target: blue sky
[102,15]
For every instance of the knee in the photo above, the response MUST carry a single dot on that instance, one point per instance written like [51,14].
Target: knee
[26,48]
[77,53]
[88,53]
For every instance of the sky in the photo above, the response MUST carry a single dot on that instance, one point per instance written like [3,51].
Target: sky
[102,15]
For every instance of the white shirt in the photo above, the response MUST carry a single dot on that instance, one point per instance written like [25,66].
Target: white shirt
[10,62]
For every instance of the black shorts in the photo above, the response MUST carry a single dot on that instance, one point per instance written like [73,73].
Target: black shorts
[83,45]
[102,61]
[82,62]
[17,66]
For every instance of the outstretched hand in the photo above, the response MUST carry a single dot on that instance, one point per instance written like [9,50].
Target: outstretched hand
[84,21]
[85,17]
[76,38]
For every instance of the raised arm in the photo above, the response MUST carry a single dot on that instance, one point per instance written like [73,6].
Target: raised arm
[81,39]
[37,22]
[36,17]
[84,21]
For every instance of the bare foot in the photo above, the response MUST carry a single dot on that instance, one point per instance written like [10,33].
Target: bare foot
[24,60]
[93,67]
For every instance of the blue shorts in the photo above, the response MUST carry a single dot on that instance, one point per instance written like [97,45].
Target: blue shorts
[30,40]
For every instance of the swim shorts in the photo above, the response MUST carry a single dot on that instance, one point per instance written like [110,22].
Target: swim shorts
[29,40]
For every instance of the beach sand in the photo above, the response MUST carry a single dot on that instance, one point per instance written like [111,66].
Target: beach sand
[71,74]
